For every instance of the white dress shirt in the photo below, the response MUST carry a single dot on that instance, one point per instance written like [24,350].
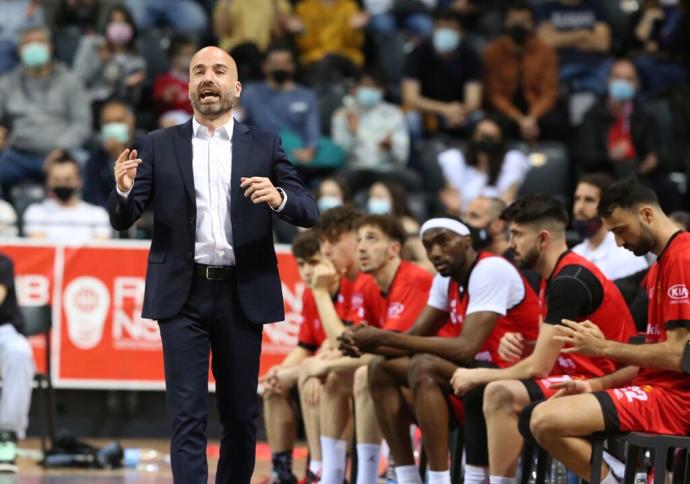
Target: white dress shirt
[615,262]
[212,170]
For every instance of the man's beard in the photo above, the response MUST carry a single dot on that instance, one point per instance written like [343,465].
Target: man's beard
[529,260]
[226,103]
[644,244]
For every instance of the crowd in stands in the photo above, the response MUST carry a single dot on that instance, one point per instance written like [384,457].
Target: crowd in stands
[404,117]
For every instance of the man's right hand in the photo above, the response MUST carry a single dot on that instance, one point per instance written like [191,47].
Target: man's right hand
[511,347]
[125,169]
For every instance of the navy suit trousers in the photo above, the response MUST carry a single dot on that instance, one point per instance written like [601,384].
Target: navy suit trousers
[211,319]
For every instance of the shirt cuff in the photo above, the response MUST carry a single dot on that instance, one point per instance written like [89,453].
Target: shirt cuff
[282,205]
[125,195]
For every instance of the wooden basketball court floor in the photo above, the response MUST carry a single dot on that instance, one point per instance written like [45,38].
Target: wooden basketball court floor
[30,472]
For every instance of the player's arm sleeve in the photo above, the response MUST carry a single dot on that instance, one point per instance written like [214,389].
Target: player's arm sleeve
[489,286]
[573,294]
[438,294]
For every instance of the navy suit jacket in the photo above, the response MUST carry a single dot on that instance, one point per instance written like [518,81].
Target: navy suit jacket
[165,180]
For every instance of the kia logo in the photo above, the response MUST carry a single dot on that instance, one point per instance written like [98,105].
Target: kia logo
[679,291]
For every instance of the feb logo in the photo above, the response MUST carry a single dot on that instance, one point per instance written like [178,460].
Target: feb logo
[395,309]
[678,291]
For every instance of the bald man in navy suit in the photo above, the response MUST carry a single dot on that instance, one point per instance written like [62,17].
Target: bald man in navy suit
[212,279]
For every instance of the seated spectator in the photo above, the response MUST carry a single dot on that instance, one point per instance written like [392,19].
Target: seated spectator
[332,193]
[521,77]
[283,106]
[84,15]
[43,106]
[577,29]
[486,168]
[17,363]
[110,65]
[599,245]
[329,32]
[186,16]
[442,80]
[257,22]
[117,133]
[63,217]
[617,136]
[659,62]
[371,131]
[8,220]
[17,15]
[171,89]
[388,17]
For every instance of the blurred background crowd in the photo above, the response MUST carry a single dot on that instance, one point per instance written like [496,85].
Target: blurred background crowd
[408,107]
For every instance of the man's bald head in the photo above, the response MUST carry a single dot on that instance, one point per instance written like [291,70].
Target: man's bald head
[212,55]
[213,85]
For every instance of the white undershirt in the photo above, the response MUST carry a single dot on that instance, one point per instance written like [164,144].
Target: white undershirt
[615,262]
[495,285]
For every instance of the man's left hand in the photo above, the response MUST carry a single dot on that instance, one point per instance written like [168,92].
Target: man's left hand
[363,337]
[464,380]
[260,189]
[585,338]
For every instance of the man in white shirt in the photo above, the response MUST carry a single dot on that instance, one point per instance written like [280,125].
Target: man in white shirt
[599,245]
[63,216]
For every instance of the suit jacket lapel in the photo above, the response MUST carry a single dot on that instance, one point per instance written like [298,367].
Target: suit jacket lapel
[182,143]
[241,154]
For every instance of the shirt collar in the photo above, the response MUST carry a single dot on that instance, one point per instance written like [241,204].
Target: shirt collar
[225,131]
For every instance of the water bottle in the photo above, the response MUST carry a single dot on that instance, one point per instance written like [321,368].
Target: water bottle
[148,460]
[390,472]
[640,478]
[558,473]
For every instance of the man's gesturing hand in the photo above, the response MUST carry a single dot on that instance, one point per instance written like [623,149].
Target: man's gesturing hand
[126,169]
[260,189]
[585,338]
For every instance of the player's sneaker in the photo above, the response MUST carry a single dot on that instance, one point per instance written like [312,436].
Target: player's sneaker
[8,452]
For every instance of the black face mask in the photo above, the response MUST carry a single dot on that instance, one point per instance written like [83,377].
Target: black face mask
[63,193]
[481,238]
[487,145]
[281,76]
[587,228]
[518,33]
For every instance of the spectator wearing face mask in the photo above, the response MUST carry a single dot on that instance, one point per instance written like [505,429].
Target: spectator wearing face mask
[42,107]
[117,133]
[442,81]
[283,106]
[110,65]
[63,216]
[599,245]
[171,89]
[521,77]
[8,220]
[486,168]
[332,192]
[16,16]
[619,137]
[372,132]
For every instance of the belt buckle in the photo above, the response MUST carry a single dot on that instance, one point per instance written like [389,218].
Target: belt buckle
[208,274]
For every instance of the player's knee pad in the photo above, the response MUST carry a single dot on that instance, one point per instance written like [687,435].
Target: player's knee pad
[524,420]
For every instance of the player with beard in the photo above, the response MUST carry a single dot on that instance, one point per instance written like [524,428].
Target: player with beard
[483,296]
[395,303]
[572,288]
[654,398]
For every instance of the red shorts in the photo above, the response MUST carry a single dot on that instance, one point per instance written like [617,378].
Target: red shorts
[645,408]
[540,389]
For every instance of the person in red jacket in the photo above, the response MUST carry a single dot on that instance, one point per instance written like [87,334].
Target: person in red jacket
[651,395]
[171,89]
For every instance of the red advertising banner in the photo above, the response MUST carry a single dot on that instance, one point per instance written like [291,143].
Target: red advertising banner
[99,338]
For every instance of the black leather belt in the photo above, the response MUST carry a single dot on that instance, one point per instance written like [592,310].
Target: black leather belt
[214,273]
